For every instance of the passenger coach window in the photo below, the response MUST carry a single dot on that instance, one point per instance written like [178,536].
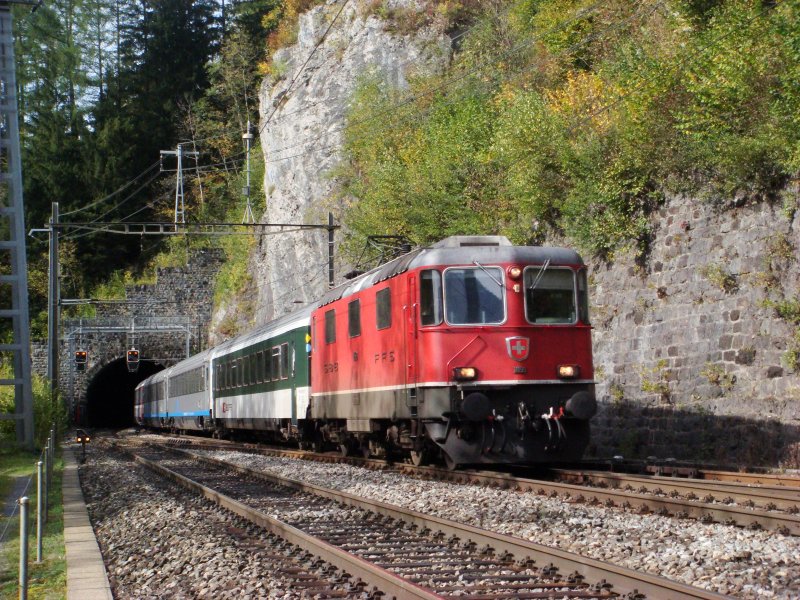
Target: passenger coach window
[549,295]
[383,303]
[276,363]
[474,296]
[284,361]
[430,297]
[354,318]
[330,326]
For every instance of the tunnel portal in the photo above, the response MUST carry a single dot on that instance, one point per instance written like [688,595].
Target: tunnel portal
[110,395]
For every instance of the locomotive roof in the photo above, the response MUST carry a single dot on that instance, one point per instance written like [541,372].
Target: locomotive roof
[456,250]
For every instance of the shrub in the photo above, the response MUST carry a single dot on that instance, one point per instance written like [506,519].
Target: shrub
[720,277]
[48,409]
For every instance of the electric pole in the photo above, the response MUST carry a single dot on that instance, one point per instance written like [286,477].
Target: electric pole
[53,296]
[179,152]
[248,211]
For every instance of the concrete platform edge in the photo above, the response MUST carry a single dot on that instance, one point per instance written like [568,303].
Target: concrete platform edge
[86,572]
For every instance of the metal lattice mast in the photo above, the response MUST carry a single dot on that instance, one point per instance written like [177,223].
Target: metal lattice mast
[12,238]
[179,152]
[248,211]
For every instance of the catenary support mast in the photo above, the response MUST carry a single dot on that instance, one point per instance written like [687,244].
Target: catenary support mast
[12,239]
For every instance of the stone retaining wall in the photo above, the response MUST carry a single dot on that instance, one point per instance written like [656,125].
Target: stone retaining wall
[689,349]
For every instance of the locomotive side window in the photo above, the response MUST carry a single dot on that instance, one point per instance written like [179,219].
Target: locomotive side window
[267,371]
[252,360]
[330,326]
[245,370]
[474,296]
[259,366]
[550,295]
[354,318]
[383,311]
[430,297]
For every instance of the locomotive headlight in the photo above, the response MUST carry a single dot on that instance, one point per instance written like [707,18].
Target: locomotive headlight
[568,371]
[465,373]
[514,273]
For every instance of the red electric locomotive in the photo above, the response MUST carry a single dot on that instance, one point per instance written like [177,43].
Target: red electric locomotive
[472,348]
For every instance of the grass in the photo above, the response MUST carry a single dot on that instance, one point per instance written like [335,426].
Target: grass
[48,580]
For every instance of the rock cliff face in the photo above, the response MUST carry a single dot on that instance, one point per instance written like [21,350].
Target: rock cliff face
[303,116]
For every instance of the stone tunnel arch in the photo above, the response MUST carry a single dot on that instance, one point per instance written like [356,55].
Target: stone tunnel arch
[110,393]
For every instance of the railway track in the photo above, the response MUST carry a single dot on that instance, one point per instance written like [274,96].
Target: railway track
[772,507]
[400,552]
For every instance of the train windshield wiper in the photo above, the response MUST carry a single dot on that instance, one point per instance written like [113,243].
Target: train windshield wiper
[539,276]
[485,270]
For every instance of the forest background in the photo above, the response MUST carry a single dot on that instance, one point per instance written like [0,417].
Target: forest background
[569,119]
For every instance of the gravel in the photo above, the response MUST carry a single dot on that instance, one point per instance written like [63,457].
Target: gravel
[160,542]
[721,558]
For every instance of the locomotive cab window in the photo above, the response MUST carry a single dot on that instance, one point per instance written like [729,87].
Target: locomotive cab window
[430,297]
[474,296]
[354,318]
[550,295]
[383,310]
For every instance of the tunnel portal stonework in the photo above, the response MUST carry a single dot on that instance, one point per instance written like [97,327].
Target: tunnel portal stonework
[165,321]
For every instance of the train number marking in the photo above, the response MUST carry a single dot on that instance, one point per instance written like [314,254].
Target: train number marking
[331,367]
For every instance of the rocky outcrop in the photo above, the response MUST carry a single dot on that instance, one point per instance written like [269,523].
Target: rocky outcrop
[302,120]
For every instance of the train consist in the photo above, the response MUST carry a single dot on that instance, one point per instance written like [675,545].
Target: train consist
[472,350]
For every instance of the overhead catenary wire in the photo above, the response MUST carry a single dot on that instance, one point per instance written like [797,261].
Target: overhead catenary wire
[114,193]
[303,66]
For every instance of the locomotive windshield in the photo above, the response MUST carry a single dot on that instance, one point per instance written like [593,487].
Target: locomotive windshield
[474,296]
[549,295]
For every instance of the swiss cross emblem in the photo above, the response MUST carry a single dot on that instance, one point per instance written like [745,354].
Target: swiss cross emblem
[518,347]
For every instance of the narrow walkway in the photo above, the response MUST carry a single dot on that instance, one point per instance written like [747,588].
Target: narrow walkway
[86,573]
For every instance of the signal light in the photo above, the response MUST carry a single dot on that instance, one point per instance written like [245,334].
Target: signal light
[132,360]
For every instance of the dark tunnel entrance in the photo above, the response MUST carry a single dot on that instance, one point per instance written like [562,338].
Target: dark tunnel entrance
[109,397]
